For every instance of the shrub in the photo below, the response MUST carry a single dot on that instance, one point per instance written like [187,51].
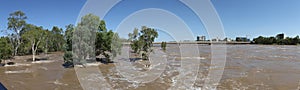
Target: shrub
[68,59]
[163,45]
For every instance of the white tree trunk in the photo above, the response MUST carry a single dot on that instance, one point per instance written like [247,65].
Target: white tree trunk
[33,52]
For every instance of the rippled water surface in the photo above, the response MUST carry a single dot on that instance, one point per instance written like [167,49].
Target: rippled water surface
[250,67]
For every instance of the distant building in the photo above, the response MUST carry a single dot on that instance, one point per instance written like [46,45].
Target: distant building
[242,39]
[280,36]
[227,39]
[201,38]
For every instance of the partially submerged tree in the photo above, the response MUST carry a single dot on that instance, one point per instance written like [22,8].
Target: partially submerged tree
[35,36]
[163,46]
[84,38]
[107,43]
[143,41]
[133,37]
[89,30]
[16,22]
[68,56]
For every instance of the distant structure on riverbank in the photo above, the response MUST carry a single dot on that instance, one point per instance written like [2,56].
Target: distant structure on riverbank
[242,39]
[280,36]
[201,38]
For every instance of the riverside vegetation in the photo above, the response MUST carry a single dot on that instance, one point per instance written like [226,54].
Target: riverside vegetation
[279,40]
[22,38]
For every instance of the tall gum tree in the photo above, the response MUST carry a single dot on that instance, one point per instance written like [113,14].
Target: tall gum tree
[16,22]
[35,36]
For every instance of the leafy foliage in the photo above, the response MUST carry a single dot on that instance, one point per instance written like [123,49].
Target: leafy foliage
[68,37]
[278,40]
[16,22]
[84,38]
[68,56]
[5,48]
[143,41]
[57,40]
[89,30]
[68,59]
[35,36]
[163,46]
[107,43]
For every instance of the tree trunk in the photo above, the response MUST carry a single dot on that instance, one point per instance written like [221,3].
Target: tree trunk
[33,53]
[16,50]
[33,57]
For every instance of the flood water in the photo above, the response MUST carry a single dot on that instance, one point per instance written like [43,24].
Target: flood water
[247,67]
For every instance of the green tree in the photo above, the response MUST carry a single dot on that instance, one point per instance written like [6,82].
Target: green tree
[68,56]
[5,48]
[144,42]
[57,40]
[84,38]
[133,37]
[68,37]
[35,36]
[163,46]
[107,43]
[16,22]
[295,40]
[47,41]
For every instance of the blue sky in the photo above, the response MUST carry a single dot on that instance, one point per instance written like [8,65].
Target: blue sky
[239,17]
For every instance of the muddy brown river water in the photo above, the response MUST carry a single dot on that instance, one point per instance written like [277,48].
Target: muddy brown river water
[248,67]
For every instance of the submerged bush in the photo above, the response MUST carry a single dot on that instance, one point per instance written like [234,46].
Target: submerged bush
[163,45]
[68,59]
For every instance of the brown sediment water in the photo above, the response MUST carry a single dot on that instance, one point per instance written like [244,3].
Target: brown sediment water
[248,67]
[40,75]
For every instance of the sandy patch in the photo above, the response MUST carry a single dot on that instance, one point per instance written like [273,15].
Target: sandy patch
[43,61]
[17,64]
[19,71]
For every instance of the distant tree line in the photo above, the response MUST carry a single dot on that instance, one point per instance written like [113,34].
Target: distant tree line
[279,40]
[22,38]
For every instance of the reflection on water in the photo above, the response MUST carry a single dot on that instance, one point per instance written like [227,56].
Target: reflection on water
[262,67]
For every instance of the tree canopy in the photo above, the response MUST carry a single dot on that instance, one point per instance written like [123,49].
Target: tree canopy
[91,38]
[142,42]
[5,48]
[35,36]
[279,40]
[16,22]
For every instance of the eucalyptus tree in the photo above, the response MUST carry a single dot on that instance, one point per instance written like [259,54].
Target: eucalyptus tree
[133,37]
[68,37]
[107,43]
[57,40]
[68,56]
[89,39]
[143,41]
[16,22]
[47,41]
[83,39]
[35,36]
